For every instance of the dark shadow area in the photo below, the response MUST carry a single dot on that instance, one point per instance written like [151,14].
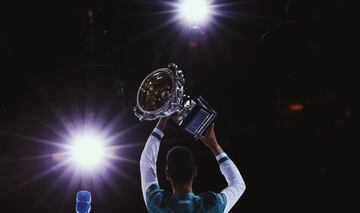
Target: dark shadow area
[279,73]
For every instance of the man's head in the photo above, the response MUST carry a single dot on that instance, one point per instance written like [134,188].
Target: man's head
[180,167]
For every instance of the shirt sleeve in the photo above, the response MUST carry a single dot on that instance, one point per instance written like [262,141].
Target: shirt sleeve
[236,184]
[148,161]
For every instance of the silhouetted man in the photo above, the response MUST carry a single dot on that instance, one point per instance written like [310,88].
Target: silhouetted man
[180,171]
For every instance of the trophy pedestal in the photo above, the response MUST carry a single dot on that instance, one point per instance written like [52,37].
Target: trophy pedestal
[195,117]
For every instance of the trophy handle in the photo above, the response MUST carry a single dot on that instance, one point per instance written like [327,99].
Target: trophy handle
[178,74]
[173,67]
[139,113]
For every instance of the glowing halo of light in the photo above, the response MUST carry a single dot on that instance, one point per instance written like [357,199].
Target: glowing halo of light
[194,12]
[74,132]
[88,150]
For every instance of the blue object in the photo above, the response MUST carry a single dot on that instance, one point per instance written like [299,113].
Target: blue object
[83,201]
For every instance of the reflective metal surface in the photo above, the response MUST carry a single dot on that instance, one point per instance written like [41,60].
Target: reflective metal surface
[155,91]
[160,94]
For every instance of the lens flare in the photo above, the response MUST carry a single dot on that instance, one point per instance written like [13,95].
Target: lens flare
[88,150]
[194,12]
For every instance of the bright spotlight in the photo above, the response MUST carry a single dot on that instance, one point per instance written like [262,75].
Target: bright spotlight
[194,12]
[88,151]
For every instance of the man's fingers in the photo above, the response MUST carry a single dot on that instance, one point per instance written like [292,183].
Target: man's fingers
[212,127]
[202,138]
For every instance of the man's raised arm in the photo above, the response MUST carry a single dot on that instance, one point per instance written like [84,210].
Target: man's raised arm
[236,184]
[149,156]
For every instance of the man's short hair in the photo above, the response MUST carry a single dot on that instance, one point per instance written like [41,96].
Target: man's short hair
[180,164]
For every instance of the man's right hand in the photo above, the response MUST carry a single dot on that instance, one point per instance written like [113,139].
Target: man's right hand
[161,124]
[209,139]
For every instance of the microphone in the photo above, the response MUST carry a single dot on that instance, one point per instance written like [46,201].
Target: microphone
[83,201]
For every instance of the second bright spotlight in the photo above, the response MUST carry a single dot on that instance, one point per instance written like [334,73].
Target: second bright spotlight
[88,150]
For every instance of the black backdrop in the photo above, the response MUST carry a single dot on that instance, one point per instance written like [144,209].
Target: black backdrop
[88,58]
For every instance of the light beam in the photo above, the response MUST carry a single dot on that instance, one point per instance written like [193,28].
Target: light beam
[88,150]
[194,12]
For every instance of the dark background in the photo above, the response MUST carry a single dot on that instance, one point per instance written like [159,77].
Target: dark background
[87,58]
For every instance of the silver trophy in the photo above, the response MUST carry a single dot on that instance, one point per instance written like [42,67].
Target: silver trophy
[162,94]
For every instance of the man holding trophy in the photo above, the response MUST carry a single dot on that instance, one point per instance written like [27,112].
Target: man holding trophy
[161,95]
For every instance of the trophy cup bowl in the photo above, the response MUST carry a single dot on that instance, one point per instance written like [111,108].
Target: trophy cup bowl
[162,94]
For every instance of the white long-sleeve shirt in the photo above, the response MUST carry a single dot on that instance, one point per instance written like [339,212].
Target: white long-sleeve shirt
[236,184]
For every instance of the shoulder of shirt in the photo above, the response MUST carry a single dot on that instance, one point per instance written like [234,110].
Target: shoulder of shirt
[209,198]
[155,191]
[214,201]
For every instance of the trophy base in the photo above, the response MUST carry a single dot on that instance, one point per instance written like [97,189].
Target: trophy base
[195,117]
